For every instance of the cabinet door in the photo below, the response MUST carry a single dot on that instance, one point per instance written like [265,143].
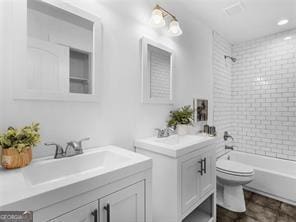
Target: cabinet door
[207,181]
[87,213]
[48,67]
[126,205]
[189,182]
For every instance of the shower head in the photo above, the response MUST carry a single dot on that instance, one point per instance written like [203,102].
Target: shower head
[229,57]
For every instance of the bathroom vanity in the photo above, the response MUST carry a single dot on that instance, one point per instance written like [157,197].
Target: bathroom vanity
[103,184]
[183,177]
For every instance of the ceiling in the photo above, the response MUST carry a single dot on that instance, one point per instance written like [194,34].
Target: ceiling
[259,17]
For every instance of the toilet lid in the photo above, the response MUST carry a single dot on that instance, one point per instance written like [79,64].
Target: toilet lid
[233,167]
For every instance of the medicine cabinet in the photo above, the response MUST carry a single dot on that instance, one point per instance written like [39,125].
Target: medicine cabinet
[63,53]
[157,73]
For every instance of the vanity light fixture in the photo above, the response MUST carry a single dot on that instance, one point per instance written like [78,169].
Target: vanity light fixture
[157,20]
[283,22]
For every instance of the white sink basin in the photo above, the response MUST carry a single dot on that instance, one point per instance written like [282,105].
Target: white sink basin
[43,171]
[69,176]
[175,139]
[174,145]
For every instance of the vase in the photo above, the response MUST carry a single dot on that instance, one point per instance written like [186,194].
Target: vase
[182,129]
[12,158]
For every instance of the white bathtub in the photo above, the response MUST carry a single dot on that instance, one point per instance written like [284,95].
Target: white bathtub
[275,178]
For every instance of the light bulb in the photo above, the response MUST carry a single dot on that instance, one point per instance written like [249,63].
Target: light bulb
[283,22]
[174,28]
[157,19]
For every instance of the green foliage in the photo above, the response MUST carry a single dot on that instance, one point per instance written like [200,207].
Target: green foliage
[180,116]
[20,139]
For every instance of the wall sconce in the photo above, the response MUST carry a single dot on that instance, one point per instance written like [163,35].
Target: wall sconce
[157,20]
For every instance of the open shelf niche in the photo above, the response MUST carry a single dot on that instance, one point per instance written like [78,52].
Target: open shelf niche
[203,213]
[80,71]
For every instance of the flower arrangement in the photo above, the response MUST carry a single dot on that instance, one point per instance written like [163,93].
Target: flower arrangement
[181,116]
[20,139]
[16,145]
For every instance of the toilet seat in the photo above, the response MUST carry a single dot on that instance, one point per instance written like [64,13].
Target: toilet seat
[234,168]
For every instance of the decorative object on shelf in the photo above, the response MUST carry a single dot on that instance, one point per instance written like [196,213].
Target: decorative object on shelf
[181,119]
[17,145]
[158,20]
[206,129]
[212,131]
[200,109]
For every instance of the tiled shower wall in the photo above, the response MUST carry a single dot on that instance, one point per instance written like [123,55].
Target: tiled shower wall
[264,96]
[222,88]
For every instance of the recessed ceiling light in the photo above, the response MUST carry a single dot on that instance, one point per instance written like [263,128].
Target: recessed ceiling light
[288,38]
[283,22]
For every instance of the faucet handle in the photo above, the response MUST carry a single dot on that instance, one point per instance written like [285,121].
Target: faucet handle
[80,141]
[171,130]
[59,149]
[160,132]
[227,135]
[84,139]
[53,144]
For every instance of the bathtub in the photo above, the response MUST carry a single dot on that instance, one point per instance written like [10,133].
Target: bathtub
[275,178]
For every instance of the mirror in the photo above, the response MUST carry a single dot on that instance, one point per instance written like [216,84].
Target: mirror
[63,48]
[157,74]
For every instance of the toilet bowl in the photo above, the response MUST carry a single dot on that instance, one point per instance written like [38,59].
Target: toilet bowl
[231,176]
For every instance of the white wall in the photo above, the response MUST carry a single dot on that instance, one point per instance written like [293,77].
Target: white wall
[2,49]
[119,118]
[264,95]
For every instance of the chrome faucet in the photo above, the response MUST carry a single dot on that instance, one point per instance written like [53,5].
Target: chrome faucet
[76,146]
[164,132]
[59,152]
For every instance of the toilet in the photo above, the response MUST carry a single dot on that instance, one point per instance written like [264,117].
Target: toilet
[231,176]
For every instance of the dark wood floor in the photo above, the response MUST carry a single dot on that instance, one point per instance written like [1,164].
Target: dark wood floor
[259,209]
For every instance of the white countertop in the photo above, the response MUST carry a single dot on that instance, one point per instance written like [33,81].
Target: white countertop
[175,145]
[17,190]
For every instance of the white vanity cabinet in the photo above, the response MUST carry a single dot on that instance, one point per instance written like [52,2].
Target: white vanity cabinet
[113,204]
[87,213]
[126,205]
[183,177]
[105,184]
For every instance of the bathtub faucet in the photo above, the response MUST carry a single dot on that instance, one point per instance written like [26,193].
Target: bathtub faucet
[229,147]
[227,135]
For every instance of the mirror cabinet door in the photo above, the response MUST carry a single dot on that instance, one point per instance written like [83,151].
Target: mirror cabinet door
[157,73]
[62,52]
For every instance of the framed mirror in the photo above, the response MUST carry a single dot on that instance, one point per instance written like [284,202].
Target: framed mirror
[63,53]
[157,72]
